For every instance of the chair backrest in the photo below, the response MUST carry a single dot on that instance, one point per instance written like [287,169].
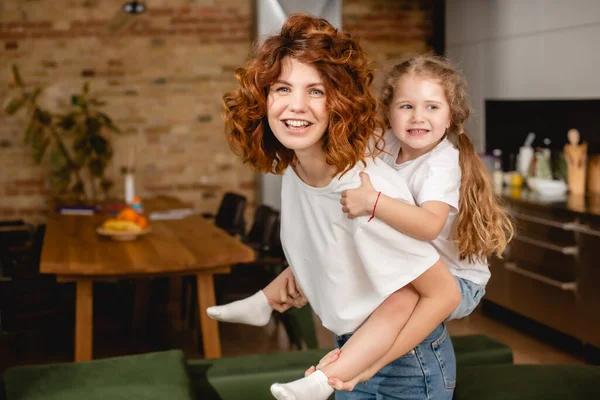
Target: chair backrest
[275,248]
[265,219]
[15,236]
[230,216]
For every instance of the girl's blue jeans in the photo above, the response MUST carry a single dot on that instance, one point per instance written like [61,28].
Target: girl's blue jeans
[428,372]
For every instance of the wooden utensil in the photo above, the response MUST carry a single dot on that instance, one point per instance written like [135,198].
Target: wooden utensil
[593,172]
[576,156]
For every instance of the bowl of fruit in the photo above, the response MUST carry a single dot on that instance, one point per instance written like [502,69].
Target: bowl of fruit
[127,225]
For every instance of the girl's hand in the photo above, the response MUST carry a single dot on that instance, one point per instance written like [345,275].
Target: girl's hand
[290,296]
[359,201]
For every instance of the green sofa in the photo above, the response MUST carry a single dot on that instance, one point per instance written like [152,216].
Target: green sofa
[168,375]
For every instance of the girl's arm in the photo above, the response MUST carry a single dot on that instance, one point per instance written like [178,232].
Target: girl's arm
[423,223]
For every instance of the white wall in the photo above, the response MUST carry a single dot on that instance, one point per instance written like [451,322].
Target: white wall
[524,49]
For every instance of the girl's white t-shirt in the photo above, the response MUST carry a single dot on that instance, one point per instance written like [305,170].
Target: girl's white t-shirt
[435,176]
[347,268]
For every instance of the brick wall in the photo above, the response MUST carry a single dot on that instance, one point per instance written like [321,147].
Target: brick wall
[163,74]
[390,29]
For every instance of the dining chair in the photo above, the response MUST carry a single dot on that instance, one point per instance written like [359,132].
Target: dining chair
[230,286]
[230,215]
[29,302]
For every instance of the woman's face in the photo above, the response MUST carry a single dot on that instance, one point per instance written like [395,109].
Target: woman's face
[297,107]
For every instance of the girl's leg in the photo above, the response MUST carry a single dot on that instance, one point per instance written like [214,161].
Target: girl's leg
[366,346]
[439,296]
[375,337]
[254,310]
[426,372]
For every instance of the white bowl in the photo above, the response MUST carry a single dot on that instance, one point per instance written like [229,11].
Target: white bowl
[547,187]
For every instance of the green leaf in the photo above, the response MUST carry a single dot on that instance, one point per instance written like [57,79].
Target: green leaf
[92,126]
[78,188]
[67,122]
[37,137]
[80,143]
[29,130]
[96,167]
[99,144]
[16,76]
[14,105]
[41,150]
[106,121]
[106,185]
[33,97]
[97,103]
[58,161]
[108,154]
[44,117]
[60,179]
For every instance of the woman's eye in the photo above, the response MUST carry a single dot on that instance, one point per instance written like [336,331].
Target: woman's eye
[406,107]
[432,107]
[316,92]
[282,89]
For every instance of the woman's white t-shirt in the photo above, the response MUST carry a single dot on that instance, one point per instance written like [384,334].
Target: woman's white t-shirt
[435,176]
[347,268]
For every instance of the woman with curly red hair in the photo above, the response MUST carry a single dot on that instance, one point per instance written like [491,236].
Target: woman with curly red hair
[303,109]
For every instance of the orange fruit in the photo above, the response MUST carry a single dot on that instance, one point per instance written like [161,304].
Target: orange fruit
[142,221]
[127,214]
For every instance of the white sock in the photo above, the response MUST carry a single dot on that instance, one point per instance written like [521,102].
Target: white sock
[254,310]
[313,387]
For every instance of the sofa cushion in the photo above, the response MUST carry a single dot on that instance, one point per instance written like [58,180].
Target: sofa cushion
[529,382]
[474,350]
[159,376]
[249,377]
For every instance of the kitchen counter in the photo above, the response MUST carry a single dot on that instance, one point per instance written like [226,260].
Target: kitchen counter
[587,205]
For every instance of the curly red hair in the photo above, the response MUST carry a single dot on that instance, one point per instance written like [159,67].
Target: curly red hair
[343,67]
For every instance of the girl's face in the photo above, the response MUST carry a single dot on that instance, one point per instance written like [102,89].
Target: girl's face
[419,114]
[297,108]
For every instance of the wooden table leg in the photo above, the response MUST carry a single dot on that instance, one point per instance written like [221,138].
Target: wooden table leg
[209,327]
[84,320]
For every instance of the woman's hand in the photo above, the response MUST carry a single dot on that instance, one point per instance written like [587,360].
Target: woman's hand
[290,296]
[359,201]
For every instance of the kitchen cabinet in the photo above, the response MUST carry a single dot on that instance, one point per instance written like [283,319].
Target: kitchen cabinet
[589,282]
[550,272]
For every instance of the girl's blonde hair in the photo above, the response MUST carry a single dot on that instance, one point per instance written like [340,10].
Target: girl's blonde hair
[481,228]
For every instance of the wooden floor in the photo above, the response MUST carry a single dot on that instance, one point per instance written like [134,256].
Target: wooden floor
[165,329]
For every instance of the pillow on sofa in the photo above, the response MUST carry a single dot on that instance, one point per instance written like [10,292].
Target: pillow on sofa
[151,376]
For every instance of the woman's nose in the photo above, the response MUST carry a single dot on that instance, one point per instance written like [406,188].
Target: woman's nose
[298,102]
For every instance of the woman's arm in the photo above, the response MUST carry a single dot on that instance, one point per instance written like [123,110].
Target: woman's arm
[423,223]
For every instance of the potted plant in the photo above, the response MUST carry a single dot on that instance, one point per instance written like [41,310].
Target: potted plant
[74,141]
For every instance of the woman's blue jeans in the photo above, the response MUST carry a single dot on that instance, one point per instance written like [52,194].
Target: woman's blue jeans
[428,372]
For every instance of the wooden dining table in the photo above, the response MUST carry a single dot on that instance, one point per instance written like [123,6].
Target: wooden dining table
[74,252]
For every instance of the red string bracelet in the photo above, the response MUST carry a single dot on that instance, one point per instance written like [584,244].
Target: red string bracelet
[374,207]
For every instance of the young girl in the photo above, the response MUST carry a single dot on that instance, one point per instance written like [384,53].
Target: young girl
[425,106]
[303,109]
